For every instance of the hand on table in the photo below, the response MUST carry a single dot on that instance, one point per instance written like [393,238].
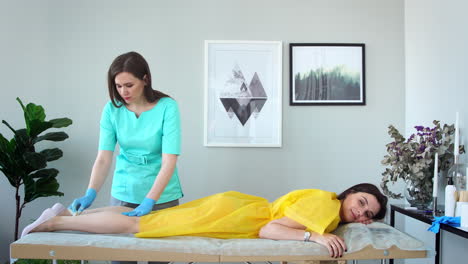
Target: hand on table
[335,244]
[144,208]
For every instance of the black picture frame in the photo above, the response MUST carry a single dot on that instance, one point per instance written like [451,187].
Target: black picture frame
[327,74]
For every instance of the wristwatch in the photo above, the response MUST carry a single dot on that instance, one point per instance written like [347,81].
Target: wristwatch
[306,236]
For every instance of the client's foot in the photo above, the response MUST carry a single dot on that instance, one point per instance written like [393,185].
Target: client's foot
[59,209]
[46,215]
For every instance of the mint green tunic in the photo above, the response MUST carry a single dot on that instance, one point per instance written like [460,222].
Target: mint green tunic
[142,141]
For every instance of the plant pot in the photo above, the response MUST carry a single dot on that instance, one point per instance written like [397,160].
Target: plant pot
[419,194]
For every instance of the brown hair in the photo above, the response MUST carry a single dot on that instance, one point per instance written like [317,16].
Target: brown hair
[131,62]
[370,189]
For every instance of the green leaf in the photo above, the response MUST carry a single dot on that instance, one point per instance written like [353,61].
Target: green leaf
[52,154]
[21,103]
[29,188]
[34,112]
[10,161]
[6,152]
[19,144]
[9,176]
[44,187]
[61,122]
[53,136]
[36,127]
[4,146]
[48,187]
[35,160]
[23,141]
[8,125]
[44,173]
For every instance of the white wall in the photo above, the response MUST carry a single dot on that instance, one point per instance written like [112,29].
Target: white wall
[24,50]
[58,53]
[436,85]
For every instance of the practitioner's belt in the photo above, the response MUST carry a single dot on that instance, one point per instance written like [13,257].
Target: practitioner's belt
[140,159]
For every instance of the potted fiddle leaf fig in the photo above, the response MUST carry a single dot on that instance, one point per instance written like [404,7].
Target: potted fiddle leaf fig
[24,165]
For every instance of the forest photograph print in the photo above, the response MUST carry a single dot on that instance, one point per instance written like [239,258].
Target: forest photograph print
[327,74]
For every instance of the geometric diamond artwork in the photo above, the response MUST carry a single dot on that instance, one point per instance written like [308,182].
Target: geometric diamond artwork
[241,100]
[240,76]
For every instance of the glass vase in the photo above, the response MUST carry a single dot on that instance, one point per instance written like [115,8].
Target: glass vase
[458,173]
[419,194]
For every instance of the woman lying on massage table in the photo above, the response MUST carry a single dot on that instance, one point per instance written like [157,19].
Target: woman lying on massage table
[308,215]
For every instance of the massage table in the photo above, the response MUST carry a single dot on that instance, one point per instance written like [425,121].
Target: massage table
[373,241]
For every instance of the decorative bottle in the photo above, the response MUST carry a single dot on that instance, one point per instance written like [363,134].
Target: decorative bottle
[450,199]
[458,174]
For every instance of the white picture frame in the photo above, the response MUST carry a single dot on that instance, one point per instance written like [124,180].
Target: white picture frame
[243,93]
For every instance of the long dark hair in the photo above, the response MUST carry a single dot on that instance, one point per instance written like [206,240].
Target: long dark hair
[370,189]
[131,62]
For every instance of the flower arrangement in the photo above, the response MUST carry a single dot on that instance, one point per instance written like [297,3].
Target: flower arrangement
[412,159]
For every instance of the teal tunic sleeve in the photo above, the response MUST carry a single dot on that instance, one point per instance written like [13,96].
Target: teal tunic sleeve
[107,135]
[171,129]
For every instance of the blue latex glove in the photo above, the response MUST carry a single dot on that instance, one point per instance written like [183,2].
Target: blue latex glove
[448,220]
[84,202]
[144,208]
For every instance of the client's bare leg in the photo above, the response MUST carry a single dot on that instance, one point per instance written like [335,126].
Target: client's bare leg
[107,220]
[119,209]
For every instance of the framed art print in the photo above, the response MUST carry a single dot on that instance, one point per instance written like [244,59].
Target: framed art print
[327,74]
[243,88]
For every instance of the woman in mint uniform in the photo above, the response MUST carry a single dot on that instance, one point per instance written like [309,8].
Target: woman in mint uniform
[146,125]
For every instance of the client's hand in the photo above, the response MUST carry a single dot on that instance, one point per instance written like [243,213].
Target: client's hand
[366,222]
[144,208]
[84,202]
[335,244]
